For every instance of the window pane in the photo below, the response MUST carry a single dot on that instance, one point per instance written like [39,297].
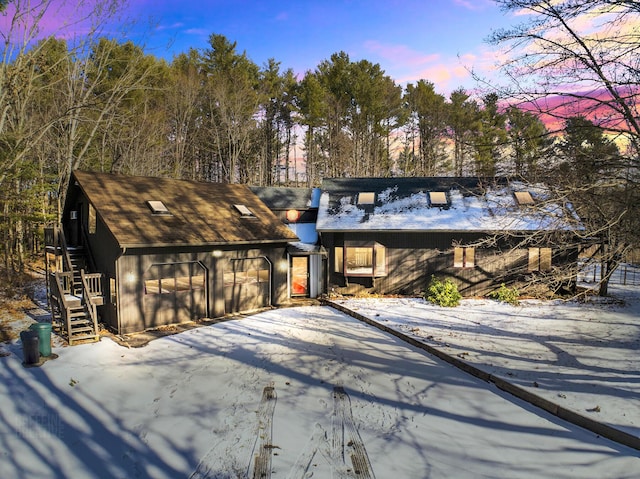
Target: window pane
[469,257]
[152,286]
[458,257]
[197,281]
[228,278]
[545,259]
[523,198]
[263,275]
[381,260]
[167,285]
[93,220]
[112,291]
[339,259]
[534,254]
[359,261]
[183,283]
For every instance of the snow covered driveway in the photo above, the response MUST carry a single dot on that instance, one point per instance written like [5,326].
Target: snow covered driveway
[290,393]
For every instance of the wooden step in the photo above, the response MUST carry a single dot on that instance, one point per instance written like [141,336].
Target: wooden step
[81,324]
[84,329]
[92,337]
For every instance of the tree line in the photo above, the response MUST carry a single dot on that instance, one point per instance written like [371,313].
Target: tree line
[212,114]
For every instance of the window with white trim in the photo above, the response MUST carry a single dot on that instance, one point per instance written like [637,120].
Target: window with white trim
[368,260]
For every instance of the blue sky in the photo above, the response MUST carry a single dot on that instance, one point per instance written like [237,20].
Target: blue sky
[437,40]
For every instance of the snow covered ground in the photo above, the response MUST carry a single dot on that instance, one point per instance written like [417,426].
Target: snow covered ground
[311,392]
[584,357]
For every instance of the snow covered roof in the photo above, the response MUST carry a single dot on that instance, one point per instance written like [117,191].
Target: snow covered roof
[441,204]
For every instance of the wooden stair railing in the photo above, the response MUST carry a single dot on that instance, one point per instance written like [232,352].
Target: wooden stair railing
[74,294]
[77,315]
[91,289]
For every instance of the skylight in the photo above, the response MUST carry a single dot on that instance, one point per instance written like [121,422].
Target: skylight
[157,207]
[523,198]
[366,198]
[437,198]
[243,210]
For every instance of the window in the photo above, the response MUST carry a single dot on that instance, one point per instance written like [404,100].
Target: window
[244,211]
[251,276]
[358,261]
[463,257]
[361,260]
[339,260]
[366,198]
[174,278]
[437,198]
[158,207]
[523,198]
[93,220]
[113,292]
[539,259]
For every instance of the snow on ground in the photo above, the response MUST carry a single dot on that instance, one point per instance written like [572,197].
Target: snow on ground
[309,392]
[584,357]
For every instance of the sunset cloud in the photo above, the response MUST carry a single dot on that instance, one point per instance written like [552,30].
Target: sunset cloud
[446,72]
[400,54]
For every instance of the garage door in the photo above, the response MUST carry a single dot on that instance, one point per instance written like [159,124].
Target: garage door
[247,285]
[174,293]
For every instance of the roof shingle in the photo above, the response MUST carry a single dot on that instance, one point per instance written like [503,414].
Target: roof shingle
[200,213]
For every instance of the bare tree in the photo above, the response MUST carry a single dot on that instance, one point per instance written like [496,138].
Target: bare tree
[581,58]
[576,57]
[33,70]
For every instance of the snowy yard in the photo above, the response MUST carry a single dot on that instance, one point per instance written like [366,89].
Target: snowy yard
[311,392]
[585,357]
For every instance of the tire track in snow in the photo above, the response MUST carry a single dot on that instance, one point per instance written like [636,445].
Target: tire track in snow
[347,442]
[210,467]
[260,466]
[345,452]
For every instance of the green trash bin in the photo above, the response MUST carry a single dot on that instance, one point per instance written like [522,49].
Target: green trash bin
[44,335]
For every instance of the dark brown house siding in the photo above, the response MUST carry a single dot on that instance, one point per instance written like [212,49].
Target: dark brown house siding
[207,283]
[203,261]
[413,258]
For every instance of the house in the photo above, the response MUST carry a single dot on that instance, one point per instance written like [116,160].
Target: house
[391,235]
[138,253]
[298,209]
[145,252]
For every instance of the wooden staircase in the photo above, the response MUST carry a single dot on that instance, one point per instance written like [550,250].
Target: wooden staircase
[74,294]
